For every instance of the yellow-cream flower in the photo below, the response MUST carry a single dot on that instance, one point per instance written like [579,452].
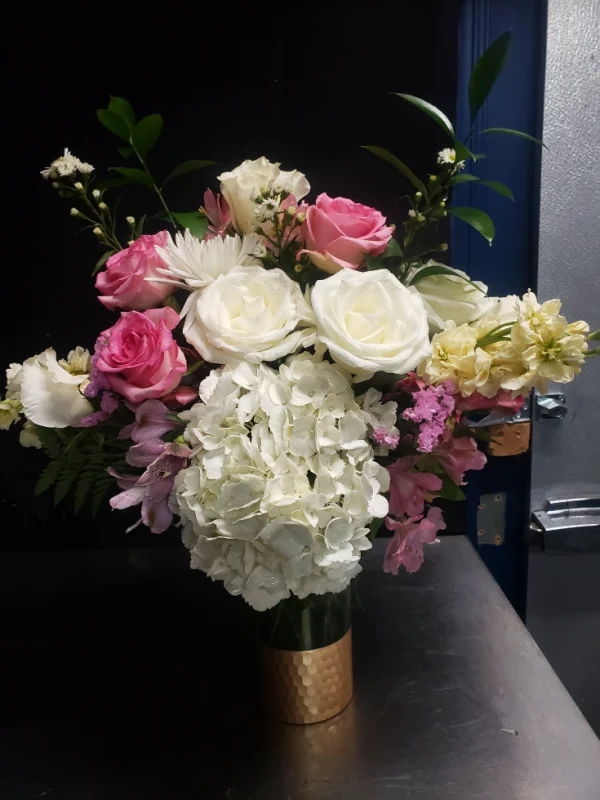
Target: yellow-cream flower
[454,356]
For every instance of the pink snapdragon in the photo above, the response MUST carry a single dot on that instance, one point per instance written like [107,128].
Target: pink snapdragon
[162,462]
[216,210]
[410,534]
[410,489]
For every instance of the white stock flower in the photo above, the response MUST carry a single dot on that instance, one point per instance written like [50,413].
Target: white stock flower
[369,321]
[451,297]
[249,313]
[283,483]
[241,186]
[65,166]
[456,357]
[51,396]
[9,413]
[28,436]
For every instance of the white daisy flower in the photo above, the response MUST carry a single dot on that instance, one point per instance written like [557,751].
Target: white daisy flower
[65,166]
[447,156]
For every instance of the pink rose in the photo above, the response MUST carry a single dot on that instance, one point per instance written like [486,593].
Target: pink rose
[123,283]
[340,233]
[406,545]
[139,356]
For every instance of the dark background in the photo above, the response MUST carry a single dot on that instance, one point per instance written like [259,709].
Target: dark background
[303,85]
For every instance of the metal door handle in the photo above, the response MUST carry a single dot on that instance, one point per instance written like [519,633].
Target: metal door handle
[570,525]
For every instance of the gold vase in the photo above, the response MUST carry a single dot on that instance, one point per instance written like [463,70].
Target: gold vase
[305,686]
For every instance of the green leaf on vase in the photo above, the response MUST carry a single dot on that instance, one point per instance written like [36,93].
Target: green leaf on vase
[122,108]
[477,219]
[188,166]
[113,123]
[429,109]
[146,133]
[512,132]
[135,175]
[486,71]
[400,166]
[196,223]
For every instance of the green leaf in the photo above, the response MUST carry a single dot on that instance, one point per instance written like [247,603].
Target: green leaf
[441,269]
[429,109]
[592,353]
[125,151]
[374,528]
[400,166]
[188,166]
[84,484]
[113,123]
[140,227]
[465,178]
[463,153]
[511,132]
[486,71]
[449,490]
[194,221]
[99,490]
[135,175]
[68,474]
[500,188]
[102,261]
[495,185]
[146,133]
[122,108]
[113,183]
[477,219]
[371,262]
[50,442]
[48,476]
[428,272]
[393,250]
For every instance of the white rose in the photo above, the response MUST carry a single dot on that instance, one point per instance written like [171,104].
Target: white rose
[250,314]
[240,186]
[369,321]
[451,297]
[51,396]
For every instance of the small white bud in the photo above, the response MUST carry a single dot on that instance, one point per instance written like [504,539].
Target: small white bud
[79,186]
[420,218]
[418,195]
[55,185]
[97,194]
[130,220]
[443,204]
[98,231]
[102,206]
[412,213]
[74,212]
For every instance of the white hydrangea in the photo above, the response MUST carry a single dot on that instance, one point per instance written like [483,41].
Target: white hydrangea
[283,482]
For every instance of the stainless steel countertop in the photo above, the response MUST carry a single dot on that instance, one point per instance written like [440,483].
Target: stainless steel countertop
[143,678]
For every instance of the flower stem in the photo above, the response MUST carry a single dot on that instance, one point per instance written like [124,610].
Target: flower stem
[154,186]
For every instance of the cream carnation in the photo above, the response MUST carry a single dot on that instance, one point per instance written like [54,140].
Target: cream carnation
[242,185]
[451,297]
[283,483]
[369,322]
[250,314]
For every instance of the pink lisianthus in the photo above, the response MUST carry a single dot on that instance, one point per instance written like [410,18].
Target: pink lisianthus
[503,401]
[124,283]
[410,534]
[151,422]
[216,210]
[409,489]
[138,355]
[340,233]
[458,455]
[162,462]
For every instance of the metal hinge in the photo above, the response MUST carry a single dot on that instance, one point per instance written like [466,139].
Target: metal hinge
[569,525]
[547,406]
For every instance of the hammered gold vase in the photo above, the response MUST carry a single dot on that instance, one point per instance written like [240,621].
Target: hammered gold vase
[305,686]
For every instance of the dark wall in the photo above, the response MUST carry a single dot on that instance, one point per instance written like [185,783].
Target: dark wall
[231,83]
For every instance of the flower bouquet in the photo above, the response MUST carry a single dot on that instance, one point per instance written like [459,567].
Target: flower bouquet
[282,377]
